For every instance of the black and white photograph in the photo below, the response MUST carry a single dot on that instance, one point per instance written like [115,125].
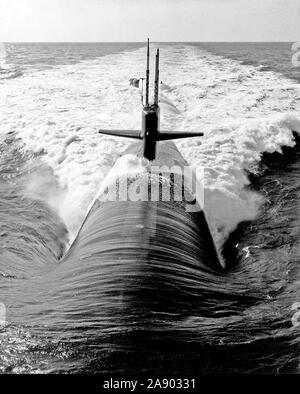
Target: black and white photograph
[149,190]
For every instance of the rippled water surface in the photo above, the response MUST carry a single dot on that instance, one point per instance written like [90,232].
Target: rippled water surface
[78,313]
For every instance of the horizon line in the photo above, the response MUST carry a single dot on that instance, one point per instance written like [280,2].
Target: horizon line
[139,42]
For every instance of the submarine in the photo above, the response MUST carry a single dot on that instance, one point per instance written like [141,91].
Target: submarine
[145,248]
[144,256]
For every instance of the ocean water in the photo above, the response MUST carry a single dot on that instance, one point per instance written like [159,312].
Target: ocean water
[267,56]
[246,99]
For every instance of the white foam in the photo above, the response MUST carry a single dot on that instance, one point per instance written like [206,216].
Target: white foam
[243,112]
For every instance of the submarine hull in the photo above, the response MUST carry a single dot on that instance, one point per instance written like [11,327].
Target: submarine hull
[142,255]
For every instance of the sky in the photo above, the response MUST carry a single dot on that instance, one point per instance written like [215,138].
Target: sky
[161,20]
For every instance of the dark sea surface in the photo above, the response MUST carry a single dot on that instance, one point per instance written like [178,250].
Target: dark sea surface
[69,312]
[47,54]
[272,56]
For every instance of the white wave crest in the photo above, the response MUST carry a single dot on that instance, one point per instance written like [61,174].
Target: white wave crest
[243,112]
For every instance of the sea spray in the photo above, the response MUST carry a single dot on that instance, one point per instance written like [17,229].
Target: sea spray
[57,113]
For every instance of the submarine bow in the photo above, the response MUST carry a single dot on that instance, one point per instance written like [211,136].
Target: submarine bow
[142,255]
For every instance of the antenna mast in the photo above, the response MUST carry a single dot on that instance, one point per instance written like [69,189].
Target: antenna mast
[149,132]
[156,86]
[147,76]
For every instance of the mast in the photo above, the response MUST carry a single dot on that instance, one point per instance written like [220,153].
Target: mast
[147,76]
[149,132]
[156,86]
